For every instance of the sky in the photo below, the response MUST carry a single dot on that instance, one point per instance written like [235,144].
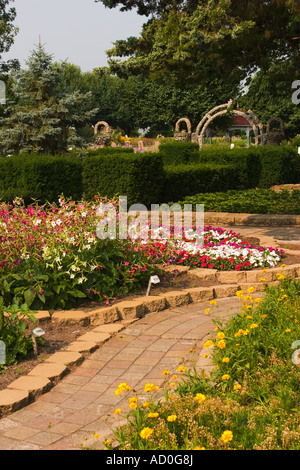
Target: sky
[78,31]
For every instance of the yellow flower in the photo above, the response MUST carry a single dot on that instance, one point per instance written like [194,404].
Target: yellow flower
[225,377]
[208,343]
[146,404]
[96,436]
[264,316]
[254,325]
[249,317]
[257,300]
[221,335]
[265,270]
[213,302]
[150,388]
[262,279]
[205,355]
[288,330]
[239,294]
[199,397]
[227,436]
[199,448]
[174,376]
[248,297]
[221,344]
[146,433]
[132,405]
[237,387]
[153,415]
[121,388]
[181,369]
[250,290]
[207,310]
[171,418]
[165,372]
[172,384]
[117,411]
[225,359]
[133,399]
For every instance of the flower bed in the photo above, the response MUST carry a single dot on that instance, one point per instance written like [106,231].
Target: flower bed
[51,255]
[241,405]
[218,249]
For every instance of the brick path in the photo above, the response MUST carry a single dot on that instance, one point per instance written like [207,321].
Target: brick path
[84,401]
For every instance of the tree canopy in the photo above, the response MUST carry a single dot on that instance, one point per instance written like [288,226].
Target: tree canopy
[7,32]
[192,41]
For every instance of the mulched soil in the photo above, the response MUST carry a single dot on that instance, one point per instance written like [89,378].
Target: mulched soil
[59,336]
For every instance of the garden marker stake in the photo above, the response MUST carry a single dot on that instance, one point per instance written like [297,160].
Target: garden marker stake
[36,333]
[152,280]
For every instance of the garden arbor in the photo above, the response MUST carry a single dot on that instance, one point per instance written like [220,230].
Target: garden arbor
[223,109]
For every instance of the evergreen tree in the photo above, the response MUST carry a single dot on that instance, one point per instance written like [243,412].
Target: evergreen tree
[45,117]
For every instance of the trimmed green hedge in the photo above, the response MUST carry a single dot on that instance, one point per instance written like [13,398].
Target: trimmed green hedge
[83,153]
[186,180]
[40,177]
[177,153]
[257,166]
[146,178]
[140,177]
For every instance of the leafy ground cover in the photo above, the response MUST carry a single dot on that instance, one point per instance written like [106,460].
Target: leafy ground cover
[252,201]
[242,405]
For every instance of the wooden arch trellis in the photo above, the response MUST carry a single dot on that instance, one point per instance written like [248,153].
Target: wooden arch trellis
[220,111]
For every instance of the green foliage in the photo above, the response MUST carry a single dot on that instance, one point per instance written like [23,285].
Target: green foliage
[241,404]
[186,180]
[251,201]
[14,332]
[45,116]
[200,40]
[139,177]
[40,177]
[174,153]
[7,31]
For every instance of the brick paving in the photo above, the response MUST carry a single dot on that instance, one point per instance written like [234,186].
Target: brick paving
[84,401]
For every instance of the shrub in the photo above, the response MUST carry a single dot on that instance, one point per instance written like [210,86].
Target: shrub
[14,332]
[177,153]
[187,180]
[40,177]
[251,201]
[83,153]
[140,177]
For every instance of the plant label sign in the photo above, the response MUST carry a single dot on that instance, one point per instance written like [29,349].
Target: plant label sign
[154,280]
